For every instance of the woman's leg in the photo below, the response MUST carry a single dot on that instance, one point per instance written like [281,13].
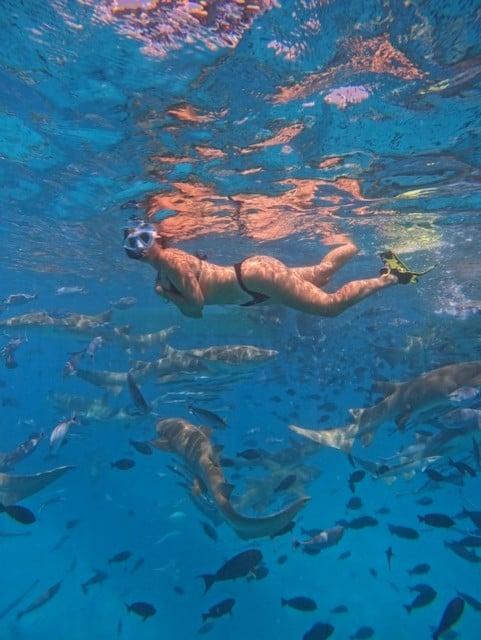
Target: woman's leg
[321,273]
[285,286]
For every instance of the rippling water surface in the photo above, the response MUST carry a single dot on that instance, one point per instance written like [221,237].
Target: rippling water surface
[278,128]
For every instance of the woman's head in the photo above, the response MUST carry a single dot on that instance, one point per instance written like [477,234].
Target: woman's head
[139,240]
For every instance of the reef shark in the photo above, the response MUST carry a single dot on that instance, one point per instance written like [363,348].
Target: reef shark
[14,488]
[401,401]
[194,447]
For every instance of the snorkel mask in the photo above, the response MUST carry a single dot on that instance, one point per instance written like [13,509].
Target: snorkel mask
[139,240]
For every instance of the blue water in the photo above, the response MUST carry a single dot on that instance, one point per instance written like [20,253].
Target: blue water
[282,130]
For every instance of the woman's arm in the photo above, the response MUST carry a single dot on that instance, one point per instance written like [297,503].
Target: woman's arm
[187,309]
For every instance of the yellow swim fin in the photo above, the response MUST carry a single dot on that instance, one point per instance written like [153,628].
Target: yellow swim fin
[393,264]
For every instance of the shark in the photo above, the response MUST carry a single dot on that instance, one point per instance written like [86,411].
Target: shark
[79,322]
[14,488]
[402,400]
[194,447]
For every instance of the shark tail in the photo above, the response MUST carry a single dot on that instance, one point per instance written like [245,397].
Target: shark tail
[247,527]
[339,438]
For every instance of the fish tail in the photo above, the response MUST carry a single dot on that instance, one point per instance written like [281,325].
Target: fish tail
[209,579]
[407,607]
[84,589]
[338,438]
[283,602]
[205,616]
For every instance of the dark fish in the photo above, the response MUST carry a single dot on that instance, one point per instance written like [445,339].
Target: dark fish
[286,482]
[41,600]
[142,609]
[434,475]
[462,467]
[142,447]
[383,511]
[209,418]
[282,559]
[250,454]
[138,563]
[344,555]
[238,566]
[452,613]
[136,395]
[320,631]
[178,590]
[425,501]
[301,603]
[389,555]
[18,513]
[71,524]
[363,633]
[419,569]
[355,477]
[98,577]
[321,540]
[205,628]
[424,597]
[341,608]
[123,464]
[354,503]
[403,532]
[475,517]
[362,522]
[475,604]
[437,520]
[220,609]
[470,541]
[209,530]
[466,554]
[122,556]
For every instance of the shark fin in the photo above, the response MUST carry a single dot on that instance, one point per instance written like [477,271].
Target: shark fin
[338,438]
[226,490]
[161,443]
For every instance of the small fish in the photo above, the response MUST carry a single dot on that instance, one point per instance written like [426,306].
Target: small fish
[301,603]
[434,475]
[355,478]
[340,608]
[138,563]
[475,517]
[470,541]
[464,395]
[205,628]
[93,345]
[220,609]
[136,395]
[124,303]
[437,520]
[41,600]
[19,298]
[451,615]
[344,555]
[142,609]
[98,577]
[361,522]
[71,366]
[209,530]
[419,569]
[238,566]
[426,595]
[363,633]
[60,432]
[65,291]
[389,555]
[403,532]
[18,599]
[209,418]
[322,540]
[354,503]
[473,602]
[142,447]
[123,464]
[122,556]
[286,483]
[466,554]
[282,559]
[319,631]
[18,513]
[425,501]
[250,454]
